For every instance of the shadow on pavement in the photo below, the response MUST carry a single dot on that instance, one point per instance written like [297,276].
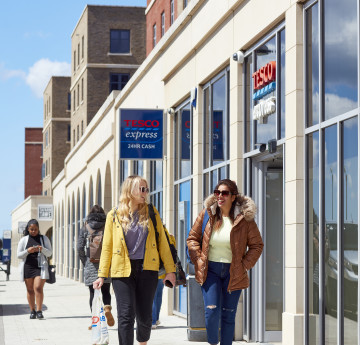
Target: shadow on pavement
[17,309]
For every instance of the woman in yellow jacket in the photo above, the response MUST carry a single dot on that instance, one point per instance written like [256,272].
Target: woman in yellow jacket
[131,257]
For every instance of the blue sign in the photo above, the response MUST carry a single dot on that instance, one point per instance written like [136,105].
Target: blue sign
[141,134]
[264,91]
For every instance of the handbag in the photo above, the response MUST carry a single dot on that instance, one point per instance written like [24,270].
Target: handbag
[51,268]
[52,274]
[179,274]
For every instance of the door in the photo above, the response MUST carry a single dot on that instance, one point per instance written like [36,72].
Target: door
[263,301]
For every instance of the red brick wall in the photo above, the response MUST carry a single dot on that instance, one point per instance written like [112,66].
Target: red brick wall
[33,161]
[154,17]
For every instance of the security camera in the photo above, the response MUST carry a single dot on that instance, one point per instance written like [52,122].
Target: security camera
[171,111]
[238,56]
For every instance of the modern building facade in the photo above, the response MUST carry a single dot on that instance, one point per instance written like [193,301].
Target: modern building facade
[56,129]
[33,161]
[276,109]
[108,45]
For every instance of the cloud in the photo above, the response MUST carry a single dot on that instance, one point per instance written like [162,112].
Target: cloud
[41,72]
[8,74]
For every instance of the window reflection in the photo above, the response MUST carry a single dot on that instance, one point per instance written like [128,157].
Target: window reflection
[350,231]
[330,234]
[267,130]
[282,84]
[340,57]
[313,228]
[312,50]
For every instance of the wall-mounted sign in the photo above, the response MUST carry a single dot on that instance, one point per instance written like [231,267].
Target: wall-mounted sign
[263,109]
[7,234]
[185,134]
[45,212]
[141,134]
[21,227]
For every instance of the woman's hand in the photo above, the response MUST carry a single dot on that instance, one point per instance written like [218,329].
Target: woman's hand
[98,283]
[35,249]
[170,277]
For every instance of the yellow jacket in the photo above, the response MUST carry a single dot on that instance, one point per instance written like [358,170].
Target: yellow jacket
[172,241]
[115,255]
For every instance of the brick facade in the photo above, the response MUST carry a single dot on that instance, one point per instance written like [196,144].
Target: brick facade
[56,126]
[92,61]
[33,161]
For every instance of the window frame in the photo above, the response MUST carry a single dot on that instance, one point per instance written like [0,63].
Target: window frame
[120,50]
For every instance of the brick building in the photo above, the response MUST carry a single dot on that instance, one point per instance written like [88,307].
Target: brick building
[107,45]
[160,15]
[33,161]
[56,132]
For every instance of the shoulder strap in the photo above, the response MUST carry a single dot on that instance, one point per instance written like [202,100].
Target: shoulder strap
[205,221]
[153,219]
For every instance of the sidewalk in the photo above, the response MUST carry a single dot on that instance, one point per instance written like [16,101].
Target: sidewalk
[67,317]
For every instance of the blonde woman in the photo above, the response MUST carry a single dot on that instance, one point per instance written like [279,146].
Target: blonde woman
[131,256]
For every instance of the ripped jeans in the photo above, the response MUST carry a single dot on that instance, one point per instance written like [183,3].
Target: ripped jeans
[219,302]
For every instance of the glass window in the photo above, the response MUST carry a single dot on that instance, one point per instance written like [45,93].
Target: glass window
[82,47]
[340,57]
[350,231]
[82,89]
[78,54]
[124,170]
[183,138]
[118,81]
[154,35]
[74,60]
[172,15]
[69,133]
[330,233]
[156,185]
[77,133]
[313,235]
[312,56]
[282,83]
[69,101]
[78,95]
[162,24]
[120,41]
[99,198]
[249,123]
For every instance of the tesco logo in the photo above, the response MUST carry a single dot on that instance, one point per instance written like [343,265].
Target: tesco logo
[142,123]
[265,75]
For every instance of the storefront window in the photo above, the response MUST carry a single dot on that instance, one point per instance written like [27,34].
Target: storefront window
[340,57]
[313,237]
[313,63]
[216,131]
[183,142]
[264,71]
[350,231]
[156,185]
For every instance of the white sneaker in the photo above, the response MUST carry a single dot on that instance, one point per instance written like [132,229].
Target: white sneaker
[157,322]
[153,326]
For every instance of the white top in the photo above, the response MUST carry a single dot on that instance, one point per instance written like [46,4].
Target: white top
[220,249]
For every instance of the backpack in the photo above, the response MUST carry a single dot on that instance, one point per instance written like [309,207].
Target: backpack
[94,243]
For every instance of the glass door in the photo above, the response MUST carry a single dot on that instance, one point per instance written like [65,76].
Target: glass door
[263,300]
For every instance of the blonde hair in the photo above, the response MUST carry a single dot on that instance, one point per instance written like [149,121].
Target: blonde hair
[129,189]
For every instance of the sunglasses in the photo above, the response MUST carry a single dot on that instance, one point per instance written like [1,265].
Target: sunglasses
[222,192]
[144,190]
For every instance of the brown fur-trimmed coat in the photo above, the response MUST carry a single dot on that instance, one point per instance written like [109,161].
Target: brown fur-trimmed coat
[245,240]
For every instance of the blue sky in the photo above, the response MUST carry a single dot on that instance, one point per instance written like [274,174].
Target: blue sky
[35,40]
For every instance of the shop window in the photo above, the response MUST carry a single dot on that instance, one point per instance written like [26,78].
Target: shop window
[120,41]
[138,168]
[183,140]
[265,90]
[124,170]
[118,81]
[156,185]
[216,131]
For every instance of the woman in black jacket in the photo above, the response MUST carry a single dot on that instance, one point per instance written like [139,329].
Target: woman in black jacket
[95,221]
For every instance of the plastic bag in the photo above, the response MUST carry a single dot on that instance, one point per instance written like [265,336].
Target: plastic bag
[99,330]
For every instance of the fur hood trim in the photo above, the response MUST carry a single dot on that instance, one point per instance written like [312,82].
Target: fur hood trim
[246,206]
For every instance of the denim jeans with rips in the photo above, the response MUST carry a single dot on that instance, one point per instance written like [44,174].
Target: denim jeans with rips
[220,305]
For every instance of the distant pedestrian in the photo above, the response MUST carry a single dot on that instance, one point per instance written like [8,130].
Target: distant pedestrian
[131,256]
[230,245]
[94,226]
[34,249]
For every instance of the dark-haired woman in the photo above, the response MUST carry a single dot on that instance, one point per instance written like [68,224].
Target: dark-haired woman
[95,222]
[230,246]
[34,249]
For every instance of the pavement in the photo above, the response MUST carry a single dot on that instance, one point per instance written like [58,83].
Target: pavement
[67,317]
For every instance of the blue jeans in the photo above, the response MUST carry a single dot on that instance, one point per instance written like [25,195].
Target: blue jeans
[157,301]
[218,303]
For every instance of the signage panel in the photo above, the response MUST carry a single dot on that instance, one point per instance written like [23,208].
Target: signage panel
[45,212]
[21,227]
[141,134]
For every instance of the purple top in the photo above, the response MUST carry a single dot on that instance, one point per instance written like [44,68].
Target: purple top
[135,238]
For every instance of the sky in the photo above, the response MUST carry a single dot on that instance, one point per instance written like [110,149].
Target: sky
[35,44]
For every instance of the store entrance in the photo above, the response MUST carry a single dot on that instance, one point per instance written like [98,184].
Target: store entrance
[263,301]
